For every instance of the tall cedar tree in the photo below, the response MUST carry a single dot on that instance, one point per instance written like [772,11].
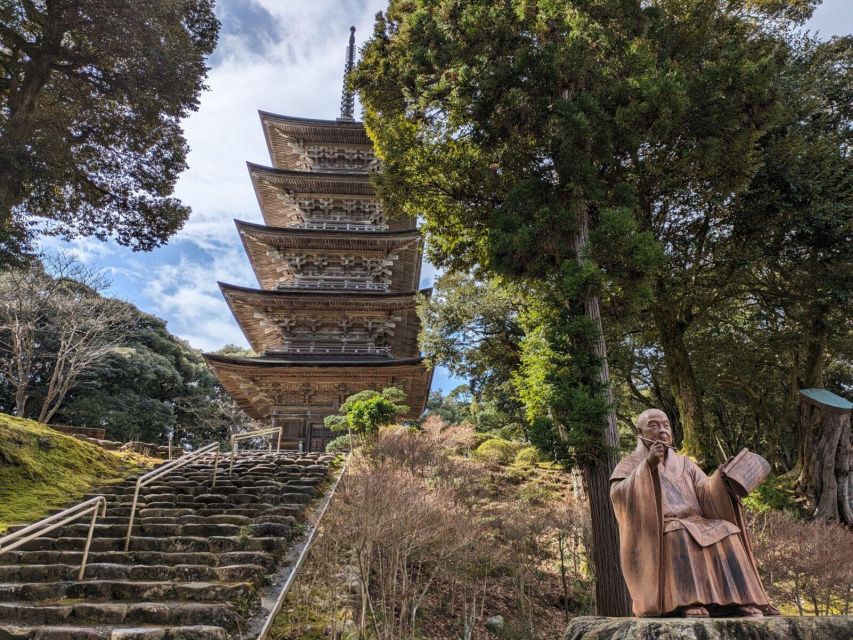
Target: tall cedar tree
[91,97]
[521,129]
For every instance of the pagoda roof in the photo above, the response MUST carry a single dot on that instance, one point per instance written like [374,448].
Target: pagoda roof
[283,133]
[255,311]
[312,298]
[258,239]
[336,183]
[256,383]
[332,239]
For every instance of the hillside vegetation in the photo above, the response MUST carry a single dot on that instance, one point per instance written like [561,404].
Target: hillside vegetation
[432,532]
[42,469]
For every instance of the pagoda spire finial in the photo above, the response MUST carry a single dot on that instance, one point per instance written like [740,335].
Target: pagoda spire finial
[347,96]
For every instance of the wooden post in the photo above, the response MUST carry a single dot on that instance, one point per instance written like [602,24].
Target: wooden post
[826,480]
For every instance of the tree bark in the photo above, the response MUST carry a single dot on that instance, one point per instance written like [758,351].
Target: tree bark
[818,332]
[611,592]
[826,480]
[682,381]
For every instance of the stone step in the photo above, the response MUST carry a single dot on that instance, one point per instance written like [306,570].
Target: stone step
[124,571]
[197,558]
[261,558]
[127,590]
[121,613]
[195,632]
[172,544]
[101,530]
[186,518]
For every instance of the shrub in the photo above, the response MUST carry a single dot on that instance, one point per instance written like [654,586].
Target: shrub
[527,457]
[807,565]
[340,444]
[460,439]
[497,451]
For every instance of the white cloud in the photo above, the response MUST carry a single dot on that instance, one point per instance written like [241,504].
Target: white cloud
[298,73]
[187,294]
[87,250]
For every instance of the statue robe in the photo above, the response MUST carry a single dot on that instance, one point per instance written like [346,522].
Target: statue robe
[682,537]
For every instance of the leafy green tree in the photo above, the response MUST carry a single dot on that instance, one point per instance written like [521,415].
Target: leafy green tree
[151,387]
[454,407]
[92,93]
[472,327]
[541,141]
[136,380]
[364,413]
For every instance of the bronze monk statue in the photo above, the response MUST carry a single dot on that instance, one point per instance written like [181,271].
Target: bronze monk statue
[684,546]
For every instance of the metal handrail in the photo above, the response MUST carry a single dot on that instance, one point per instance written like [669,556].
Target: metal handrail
[46,525]
[149,477]
[279,601]
[252,434]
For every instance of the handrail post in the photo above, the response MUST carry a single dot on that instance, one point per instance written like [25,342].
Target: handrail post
[57,520]
[215,469]
[100,506]
[132,514]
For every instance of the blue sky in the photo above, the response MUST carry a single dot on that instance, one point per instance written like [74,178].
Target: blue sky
[283,56]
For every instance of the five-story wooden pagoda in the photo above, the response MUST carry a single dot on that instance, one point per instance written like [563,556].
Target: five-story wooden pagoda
[335,311]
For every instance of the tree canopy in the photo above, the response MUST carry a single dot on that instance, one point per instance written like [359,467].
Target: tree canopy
[589,152]
[69,355]
[92,93]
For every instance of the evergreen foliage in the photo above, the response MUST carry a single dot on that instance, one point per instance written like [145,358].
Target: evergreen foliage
[145,384]
[92,93]
[363,413]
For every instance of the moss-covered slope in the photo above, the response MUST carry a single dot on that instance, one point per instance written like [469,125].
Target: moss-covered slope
[41,469]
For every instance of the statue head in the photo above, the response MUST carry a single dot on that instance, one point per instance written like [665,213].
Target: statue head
[654,425]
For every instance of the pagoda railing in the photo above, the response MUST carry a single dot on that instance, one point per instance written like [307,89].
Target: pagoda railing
[341,226]
[343,349]
[350,285]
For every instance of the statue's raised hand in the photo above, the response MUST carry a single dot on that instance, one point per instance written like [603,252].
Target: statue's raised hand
[656,453]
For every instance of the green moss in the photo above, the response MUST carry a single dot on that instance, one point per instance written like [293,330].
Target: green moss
[42,469]
[774,493]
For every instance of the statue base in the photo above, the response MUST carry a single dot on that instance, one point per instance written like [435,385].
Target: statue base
[769,628]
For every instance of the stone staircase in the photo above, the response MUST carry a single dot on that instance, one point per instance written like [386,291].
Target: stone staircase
[198,557]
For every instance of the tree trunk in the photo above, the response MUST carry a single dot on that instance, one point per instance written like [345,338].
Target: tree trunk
[682,380]
[818,332]
[826,480]
[611,593]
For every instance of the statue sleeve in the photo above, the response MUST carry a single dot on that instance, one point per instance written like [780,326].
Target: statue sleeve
[716,500]
[637,503]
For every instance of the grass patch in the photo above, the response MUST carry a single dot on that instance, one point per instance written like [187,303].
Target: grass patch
[42,469]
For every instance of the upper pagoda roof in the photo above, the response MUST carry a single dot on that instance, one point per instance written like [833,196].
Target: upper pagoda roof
[337,183]
[332,239]
[313,299]
[266,247]
[278,362]
[260,312]
[289,137]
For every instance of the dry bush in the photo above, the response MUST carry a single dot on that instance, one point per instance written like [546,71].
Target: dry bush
[401,535]
[459,439]
[571,521]
[805,564]
[419,541]
[406,448]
